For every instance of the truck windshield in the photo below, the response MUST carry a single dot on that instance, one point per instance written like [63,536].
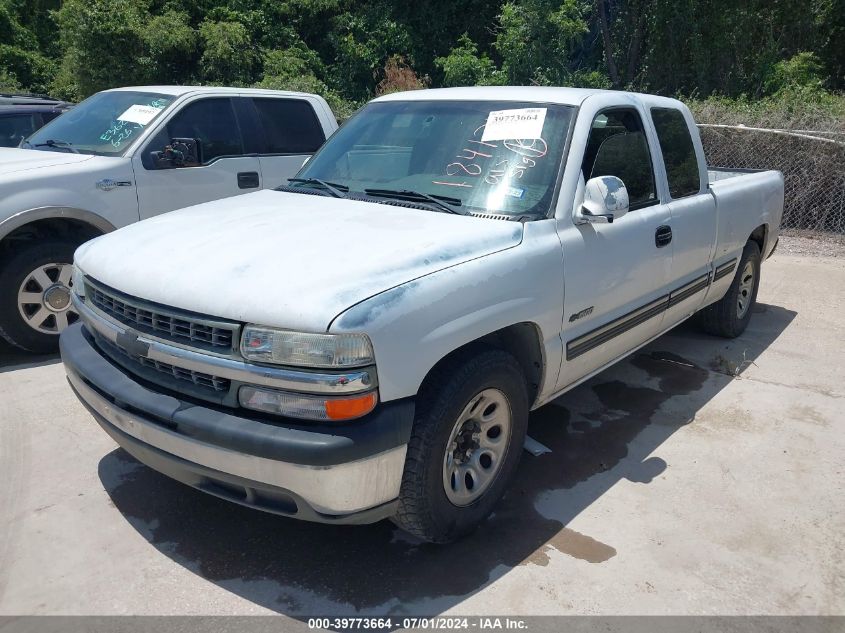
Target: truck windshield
[499,157]
[105,124]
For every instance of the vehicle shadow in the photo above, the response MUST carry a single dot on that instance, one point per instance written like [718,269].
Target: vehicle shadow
[12,358]
[599,433]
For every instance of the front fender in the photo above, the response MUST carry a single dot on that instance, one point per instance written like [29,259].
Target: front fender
[415,325]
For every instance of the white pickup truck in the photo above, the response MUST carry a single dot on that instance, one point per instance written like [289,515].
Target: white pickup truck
[112,161]
[368,341]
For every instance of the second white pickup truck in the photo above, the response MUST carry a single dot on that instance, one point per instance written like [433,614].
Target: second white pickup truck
[127,154]
[368,341]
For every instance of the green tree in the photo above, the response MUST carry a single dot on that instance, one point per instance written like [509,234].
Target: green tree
[463,66]
[537,37]
[102,44]
[22,64]
[228,56]
[172,47]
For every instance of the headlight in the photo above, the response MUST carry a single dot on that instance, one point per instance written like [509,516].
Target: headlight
[297,349]
[77,282]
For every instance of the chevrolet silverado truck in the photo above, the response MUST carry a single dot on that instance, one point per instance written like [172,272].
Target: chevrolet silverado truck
[367,341]
[128,154]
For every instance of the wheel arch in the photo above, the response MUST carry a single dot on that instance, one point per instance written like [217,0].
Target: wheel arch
[521,340]
[760,235]
[53,221]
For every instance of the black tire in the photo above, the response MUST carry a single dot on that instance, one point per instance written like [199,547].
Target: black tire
[16,267]
[424,508]
[722,318]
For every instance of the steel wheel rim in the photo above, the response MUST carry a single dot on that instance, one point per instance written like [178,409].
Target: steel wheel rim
[44,298]
[746,289]
[477,447]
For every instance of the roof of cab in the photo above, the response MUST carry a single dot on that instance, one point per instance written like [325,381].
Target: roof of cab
[546,94]
[178,91]
[542,94]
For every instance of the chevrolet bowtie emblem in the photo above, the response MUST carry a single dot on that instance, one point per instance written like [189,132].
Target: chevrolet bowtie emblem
[107,184]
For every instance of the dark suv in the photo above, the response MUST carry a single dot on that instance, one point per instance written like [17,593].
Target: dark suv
[22,114]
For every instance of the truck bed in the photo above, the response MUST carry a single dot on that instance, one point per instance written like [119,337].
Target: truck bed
[745,199]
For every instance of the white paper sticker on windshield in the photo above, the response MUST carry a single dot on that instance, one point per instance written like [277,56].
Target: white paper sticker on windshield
[140,114]
[521,123]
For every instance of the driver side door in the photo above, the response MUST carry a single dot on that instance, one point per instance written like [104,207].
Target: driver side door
[225,170]
[616,275]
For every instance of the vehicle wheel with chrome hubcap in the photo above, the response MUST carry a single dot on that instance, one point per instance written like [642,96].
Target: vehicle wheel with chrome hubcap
[472,413]
[44,298]
[730,315]
[35,295]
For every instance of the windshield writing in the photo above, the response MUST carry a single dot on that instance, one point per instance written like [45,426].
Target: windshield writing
[105,124]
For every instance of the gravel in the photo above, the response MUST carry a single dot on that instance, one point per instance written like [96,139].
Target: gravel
[812,245]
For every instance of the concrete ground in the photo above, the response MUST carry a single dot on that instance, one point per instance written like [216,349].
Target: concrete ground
[698,477]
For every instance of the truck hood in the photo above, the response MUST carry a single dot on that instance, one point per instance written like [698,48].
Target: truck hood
[284,259]
[13,159]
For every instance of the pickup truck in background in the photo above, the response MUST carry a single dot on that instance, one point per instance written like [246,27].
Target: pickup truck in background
[368,341]
[128,154]
[22,114]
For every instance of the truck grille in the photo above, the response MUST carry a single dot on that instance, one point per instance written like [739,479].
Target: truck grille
[180,373]
[163,322]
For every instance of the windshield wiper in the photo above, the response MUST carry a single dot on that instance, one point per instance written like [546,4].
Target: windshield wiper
[338,191]
[55,143]
[450,205]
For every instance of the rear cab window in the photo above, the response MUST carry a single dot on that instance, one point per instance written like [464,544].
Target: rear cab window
[290,126]
[678,152]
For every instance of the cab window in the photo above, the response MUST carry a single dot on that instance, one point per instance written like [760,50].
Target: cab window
[678,152]
[618,147]
[290,126]
[211,121]
[16,127]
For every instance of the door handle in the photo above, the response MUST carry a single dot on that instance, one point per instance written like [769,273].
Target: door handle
[247,180]
[662,236]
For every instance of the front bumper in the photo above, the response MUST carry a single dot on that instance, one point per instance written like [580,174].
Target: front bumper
[345,473]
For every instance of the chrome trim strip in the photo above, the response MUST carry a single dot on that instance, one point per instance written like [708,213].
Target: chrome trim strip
[586,342]
[594,338]
[353,381]
[724,269]
[686,291]
[338,489]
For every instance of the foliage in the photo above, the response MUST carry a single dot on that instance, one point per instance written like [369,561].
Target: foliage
[350,50]
[536,39]
[399,77]
[801,72]
[227,56]
[463,66]
[102,43]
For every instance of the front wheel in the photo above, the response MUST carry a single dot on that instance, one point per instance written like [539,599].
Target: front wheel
[729,316]
[35,290]
[465,445]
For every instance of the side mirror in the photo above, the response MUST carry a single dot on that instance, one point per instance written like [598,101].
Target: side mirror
[605,200]
[182,152]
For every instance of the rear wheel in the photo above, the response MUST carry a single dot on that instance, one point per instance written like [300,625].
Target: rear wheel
[729,316]
[465,445]
[35,291]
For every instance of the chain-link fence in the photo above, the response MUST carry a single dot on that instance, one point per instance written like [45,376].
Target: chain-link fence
[812,162]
